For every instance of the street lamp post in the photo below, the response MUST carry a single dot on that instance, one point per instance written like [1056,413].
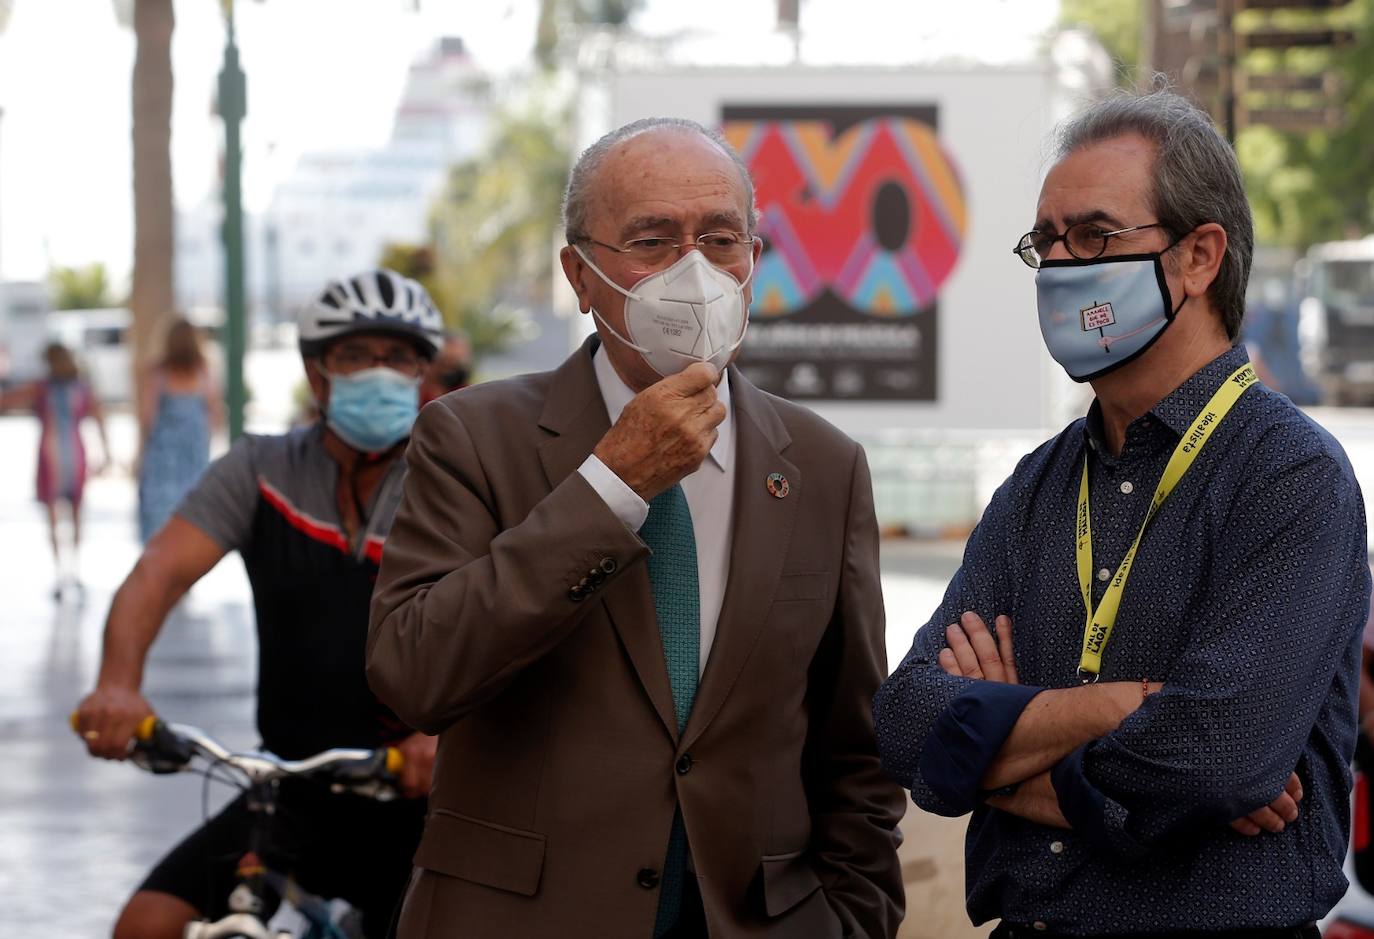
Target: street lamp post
[233,105]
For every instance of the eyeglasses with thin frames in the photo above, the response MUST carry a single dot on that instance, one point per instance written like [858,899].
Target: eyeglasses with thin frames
[718,247]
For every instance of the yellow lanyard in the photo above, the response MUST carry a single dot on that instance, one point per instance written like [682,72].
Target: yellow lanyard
[1100,622]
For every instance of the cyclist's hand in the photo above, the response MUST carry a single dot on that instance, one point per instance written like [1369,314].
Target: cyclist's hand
[418,769]
[107,718]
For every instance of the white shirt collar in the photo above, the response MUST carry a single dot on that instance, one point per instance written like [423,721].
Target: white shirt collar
[616,394]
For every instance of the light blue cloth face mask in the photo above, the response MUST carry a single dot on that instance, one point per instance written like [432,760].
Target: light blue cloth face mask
[373,408]
[1098,315]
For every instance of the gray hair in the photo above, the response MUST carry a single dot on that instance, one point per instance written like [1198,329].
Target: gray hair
[580,182]
[1196,178]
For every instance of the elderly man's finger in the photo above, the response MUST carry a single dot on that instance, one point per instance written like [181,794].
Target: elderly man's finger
[1246,827]
[963,652]
[1294,788]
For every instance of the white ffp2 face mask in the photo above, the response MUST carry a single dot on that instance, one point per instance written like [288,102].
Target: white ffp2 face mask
[690,312]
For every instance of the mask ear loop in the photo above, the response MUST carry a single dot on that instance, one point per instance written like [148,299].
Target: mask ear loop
[616,287]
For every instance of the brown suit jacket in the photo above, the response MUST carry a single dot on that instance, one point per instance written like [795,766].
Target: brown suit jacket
[560,762]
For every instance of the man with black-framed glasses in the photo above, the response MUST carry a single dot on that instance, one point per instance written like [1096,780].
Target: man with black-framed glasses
[638,599]
[1162,748]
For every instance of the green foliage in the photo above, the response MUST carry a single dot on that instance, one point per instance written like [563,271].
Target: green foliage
[1117,25]
[493,229]
[1319,185]
[81,288]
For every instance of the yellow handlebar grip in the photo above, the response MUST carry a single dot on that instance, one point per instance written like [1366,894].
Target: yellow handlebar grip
[394,760]
[146,727]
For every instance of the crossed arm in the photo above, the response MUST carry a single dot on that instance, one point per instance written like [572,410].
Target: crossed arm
[1058,721]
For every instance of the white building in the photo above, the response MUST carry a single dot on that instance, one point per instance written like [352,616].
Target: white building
[336,211]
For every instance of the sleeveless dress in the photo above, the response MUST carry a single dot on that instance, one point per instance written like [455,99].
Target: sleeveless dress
[60,406]
[177,452]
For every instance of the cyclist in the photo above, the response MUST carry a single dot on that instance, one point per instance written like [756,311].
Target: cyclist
[308,512]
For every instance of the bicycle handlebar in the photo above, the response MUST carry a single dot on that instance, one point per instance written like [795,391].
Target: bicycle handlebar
[161,747]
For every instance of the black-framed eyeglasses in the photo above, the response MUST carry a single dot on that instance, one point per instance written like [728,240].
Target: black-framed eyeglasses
[347,359]
[1085,241]
[718,247]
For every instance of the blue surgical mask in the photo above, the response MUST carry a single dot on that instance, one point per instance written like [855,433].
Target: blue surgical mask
[373,408]
[1098,315]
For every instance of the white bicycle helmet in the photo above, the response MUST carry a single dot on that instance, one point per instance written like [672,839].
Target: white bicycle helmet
[374,301]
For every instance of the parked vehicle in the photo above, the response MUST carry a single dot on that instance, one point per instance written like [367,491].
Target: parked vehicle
[1336,319]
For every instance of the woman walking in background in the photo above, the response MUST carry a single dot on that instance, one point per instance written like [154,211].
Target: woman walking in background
[61,402]
[177,409]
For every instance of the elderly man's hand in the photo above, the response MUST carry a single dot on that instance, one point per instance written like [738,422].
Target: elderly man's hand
[665,432]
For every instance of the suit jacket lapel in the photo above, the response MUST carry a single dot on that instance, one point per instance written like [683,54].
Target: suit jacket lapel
[575,415]
[761,530]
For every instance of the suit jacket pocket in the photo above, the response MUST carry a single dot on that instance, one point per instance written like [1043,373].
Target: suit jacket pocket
[788,879]
[482,852]
[803,587]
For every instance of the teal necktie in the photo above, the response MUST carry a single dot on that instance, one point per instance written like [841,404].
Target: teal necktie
[677,602]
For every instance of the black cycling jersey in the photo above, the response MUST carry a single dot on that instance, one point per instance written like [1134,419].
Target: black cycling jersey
[272,499]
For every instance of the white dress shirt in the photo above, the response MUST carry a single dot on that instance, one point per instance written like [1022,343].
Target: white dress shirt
[710,495]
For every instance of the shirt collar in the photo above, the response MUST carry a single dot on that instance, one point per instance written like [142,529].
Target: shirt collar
[616,395]
[1180,407]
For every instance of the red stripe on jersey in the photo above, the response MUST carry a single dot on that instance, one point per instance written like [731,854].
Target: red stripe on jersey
[307,525]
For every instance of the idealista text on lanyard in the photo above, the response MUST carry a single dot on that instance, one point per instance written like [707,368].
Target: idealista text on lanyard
[1100,621]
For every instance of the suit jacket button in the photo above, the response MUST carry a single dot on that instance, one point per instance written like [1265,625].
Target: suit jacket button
[577,593]
[596,577]
[684,764]
[647,878]
[607,565]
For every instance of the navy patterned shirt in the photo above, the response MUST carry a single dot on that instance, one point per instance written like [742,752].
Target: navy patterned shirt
[1246,599]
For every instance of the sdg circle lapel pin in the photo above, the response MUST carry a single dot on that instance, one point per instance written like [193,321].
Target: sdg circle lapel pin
[778,486]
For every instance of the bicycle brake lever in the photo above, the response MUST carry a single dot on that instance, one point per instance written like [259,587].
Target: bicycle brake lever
[160,750]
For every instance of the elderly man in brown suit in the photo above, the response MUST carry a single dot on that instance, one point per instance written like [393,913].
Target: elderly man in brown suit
[638,600]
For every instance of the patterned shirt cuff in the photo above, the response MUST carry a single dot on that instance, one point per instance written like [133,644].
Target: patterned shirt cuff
[1091,813]
[966,738]
[619,498]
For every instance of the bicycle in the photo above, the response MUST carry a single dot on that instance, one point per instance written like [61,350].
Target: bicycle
[163,748]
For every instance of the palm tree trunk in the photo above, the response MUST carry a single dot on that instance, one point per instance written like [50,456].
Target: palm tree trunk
[151,300]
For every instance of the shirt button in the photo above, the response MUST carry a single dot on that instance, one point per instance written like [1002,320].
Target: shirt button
[1056,847]
[1127,488]
[1104,575]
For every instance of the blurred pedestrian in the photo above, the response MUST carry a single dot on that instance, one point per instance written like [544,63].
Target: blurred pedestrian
[179,404]
[450,370]
[61,401]
[1163,749]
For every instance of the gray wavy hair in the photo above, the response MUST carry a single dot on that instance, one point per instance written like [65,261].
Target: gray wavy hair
[1196,178]
[582,179]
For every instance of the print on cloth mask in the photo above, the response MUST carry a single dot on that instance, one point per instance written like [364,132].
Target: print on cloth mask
[690,312]
[373,408]
[1096,316]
